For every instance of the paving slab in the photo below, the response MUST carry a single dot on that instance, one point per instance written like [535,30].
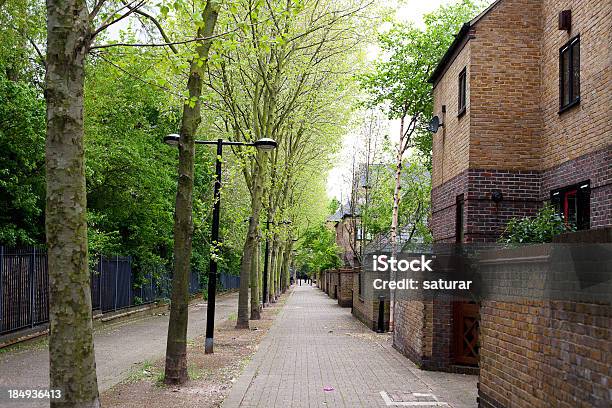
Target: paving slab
[318,355]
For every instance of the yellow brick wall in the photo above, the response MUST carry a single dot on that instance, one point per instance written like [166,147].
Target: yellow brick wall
[505,119]
[587,127]
[451,142]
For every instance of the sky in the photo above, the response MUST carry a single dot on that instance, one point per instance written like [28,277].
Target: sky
[338,180]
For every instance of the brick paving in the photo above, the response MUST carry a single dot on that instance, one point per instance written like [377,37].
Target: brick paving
[314,344]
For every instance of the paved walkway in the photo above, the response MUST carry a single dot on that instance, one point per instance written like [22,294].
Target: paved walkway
[315,344]
[118,348]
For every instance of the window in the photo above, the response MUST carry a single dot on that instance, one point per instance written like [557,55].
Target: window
[569,74]
[459,220]
[462,92]
[573,204]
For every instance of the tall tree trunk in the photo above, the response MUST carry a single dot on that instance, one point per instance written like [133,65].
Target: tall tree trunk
[255,311]
[395,217]
[273,270]
[71,351]
[279,265]
[285,270]
[176,346]
[242,321]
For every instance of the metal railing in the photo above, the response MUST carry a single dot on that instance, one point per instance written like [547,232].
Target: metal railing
[24,286]
[228,281]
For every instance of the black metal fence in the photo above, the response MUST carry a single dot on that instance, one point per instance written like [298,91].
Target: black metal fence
[228,281]
[111,284]
[24,282]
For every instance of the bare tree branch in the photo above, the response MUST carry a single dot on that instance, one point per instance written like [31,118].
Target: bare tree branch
[96,9]
[157,24]
[108,22]
[165,44]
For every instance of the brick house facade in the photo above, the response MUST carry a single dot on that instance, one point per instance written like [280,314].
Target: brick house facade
[511,140]
[345,224]
[513,146]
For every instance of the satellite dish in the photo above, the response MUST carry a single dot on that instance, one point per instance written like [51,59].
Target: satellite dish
[434,124]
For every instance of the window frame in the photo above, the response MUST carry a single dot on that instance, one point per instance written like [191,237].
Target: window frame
[573,100]
[462,92]
[559,200]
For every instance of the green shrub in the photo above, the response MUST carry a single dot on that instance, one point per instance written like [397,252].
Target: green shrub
[537,229]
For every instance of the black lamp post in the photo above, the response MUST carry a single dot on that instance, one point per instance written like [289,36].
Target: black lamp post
[261,144]
[266,259]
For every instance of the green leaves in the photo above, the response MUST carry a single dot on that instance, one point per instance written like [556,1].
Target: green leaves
[318,250]
[22,163]
[164,10]
[398,82]
[414,203]
[537,229]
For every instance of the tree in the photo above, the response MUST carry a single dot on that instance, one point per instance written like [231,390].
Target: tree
[176,350]
[71,33]
[318,250]
[22,163]
[263,76]
[414,205]
[399,82]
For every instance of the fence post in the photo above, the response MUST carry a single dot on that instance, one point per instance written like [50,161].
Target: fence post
[100,282]
[1,288]
[31,271]
[129,264]
[116,278]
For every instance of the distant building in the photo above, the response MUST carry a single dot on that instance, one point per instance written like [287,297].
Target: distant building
[346,225]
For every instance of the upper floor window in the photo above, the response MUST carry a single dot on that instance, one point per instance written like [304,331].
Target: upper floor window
[569,74]
[462,92]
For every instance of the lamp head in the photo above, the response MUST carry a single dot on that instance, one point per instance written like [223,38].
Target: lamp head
[265,144]
[172,139]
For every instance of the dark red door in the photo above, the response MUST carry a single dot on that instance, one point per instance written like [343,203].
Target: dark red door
[466,327]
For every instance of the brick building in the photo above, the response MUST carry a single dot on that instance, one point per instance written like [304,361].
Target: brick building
[524,94]
[345,223]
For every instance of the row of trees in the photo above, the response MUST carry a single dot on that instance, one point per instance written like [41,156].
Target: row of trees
[85,107]
[389,174]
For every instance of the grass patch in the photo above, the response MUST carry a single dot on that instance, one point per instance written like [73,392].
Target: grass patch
[145,370]
[34,344]
[232,317]
[194,372]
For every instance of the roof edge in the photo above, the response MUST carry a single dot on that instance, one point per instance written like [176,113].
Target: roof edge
[449,55]
[460,39]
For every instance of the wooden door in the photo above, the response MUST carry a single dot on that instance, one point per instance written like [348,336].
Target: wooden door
[465,336]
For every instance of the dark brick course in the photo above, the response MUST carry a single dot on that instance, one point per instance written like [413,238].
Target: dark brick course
[524,192]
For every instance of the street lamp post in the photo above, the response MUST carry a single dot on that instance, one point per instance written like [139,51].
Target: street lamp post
[261,144]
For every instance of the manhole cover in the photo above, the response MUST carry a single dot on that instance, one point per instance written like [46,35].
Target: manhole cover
[411,399]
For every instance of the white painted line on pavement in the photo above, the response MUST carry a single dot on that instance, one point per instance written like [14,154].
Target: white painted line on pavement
[389,402]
